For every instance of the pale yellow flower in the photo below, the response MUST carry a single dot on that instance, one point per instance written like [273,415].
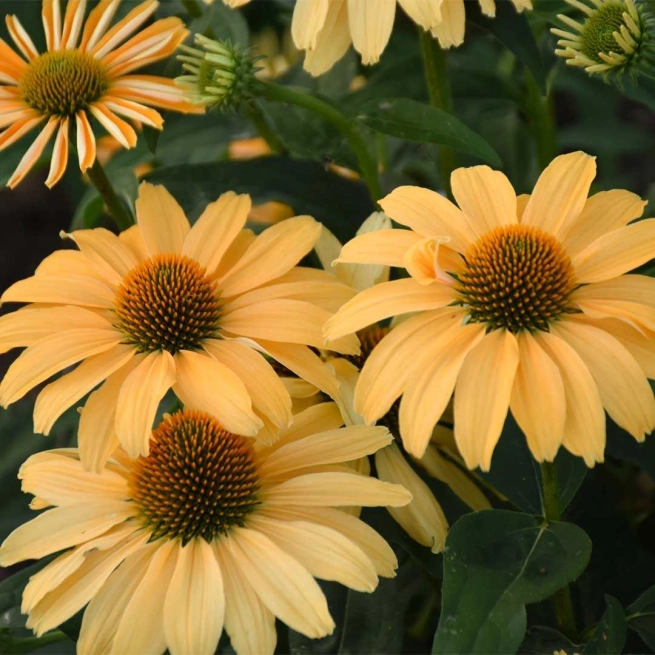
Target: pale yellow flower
[519,303]
[85,72]
[207,532]
[166,305]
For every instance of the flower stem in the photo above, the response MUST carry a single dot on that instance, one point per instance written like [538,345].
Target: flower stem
[539,110]
[438,82]
[29,644]
[552,512]
[115,207]
[326,111]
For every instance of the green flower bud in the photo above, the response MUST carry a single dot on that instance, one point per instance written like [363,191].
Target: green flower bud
[220,75]
[611,37]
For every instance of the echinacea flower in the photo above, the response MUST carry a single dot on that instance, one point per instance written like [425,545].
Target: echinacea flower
[84,73]
[168,305]
[517,303]
[611,36]
[205,532]
[324,29]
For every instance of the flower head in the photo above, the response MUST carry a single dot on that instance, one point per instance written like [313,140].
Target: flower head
[518,303]
[325,29]
[208,531]
[220,75]
[613,37]
[169,305]
[84,73]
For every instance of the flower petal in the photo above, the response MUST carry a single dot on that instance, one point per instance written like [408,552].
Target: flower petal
[86,142]
[450,31]
[384,247]
[59,158]
[61,289]
[33,152]
[332,41]
[370,27]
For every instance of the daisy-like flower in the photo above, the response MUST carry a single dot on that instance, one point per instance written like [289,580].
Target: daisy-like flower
[168,305]
[518,303]
[325,29]
[85,72]
[206,532]
[612,36]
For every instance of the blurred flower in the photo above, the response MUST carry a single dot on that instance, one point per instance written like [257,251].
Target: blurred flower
[611,36]
[518,303]
[206,532]
[77,77]
[168,305]
[220,75]
[324,29]
[278,53]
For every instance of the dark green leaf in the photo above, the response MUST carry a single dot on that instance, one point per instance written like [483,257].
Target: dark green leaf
[220,22]
[542,639]
[641,617]
[513,31]
[415,121]
[516,474]
[151,135]
[622,445]
[608,638]
[496,562]
[339,203]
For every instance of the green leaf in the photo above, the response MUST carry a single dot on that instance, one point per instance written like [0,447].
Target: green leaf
[516,474]
[220,22]
[339,203]
[415,121]
[542,639]
[641,617]
[513,31]
[496,562]
[151,136]
[608,638]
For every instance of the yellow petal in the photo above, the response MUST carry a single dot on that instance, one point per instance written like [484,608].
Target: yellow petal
[284,586]
[332,41]
[427,13]
[161,219]
[450,31]
[584,429]
[429,214]
[61,289]
[538,399]
[641,347]
[485,196]
[422,261]
[482,396]
[308,19]
[52,354]
[206,384]
[370,27]
[385,300]
[423,519]
[603,212]
[622,385]
[195,602]
[101,244]
[271,254]
[560,193]
[215,230]
[385,247]
[138,401]
[616,252]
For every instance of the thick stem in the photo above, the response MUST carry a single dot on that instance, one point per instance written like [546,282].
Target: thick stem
[552,512]
[437,80]
[261,125]
[301,99]
[540,113]
[115,207]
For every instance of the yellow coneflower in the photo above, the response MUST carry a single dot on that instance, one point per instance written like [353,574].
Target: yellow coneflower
[325,29]
[85,72]
[610,37]
[519,303]
[168,305]
[206,532]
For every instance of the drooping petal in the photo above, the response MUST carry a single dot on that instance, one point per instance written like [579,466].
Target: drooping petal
[86,142]
[370,27]
[482,396]
[59,158]
[122,131]
[450,31]
[427,13]
[33,152]
[332,41]
[308,20]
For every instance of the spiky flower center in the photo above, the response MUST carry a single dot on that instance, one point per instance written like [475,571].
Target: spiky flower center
[167,303]
[516,277]
[598,33]
[199,481]
[63,83]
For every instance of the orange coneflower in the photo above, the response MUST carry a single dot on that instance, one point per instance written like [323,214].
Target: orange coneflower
[519,303]
[169,305]
[206,532]
[85,72]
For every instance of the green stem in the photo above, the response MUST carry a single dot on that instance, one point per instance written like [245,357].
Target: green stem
[540,113]
[301,99]
[115,207]
[438,82]
[261,125]
[193,8]
[29,644]
[552,512]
